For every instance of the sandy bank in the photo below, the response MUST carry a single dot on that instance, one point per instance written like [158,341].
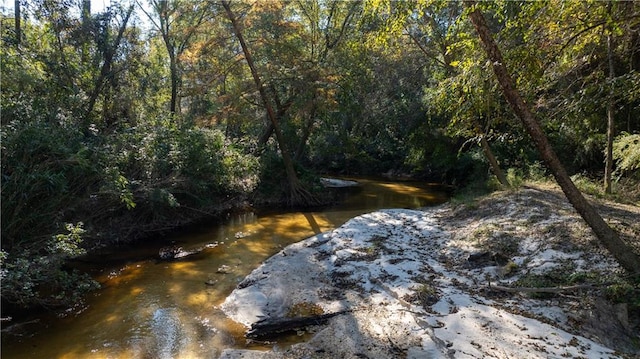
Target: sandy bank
[416,284]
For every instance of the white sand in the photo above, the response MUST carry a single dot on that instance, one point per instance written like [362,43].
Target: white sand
[405,275]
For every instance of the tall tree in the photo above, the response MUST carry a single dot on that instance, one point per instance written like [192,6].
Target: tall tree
[298,195]
[86,16]
[109,51]
[86,28]
[177,21]
[608,159]
[436,33]
[327,24]
[297,43]
[607,236]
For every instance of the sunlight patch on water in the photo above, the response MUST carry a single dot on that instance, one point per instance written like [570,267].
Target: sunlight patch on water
[196,299]
[135,291]
[184,268]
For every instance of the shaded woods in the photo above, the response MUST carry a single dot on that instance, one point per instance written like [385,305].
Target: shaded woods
[130,120]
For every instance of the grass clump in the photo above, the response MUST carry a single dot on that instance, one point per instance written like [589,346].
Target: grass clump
[424,295]
[556,277]
[304,309]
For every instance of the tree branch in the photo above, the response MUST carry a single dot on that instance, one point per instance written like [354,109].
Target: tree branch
[571,288]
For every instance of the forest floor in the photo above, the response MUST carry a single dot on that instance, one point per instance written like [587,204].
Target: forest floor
[435,283]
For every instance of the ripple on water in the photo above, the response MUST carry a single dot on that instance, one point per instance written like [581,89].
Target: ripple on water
[166,330]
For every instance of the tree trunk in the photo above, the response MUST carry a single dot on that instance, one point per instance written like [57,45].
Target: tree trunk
[175,80]
[18,19]
[173,60]
[488,153]
[161,7]
[608,161]
[609,238]
[86,29]
[306,131]
[265,136]
[493,162]
[86,18]
[282,109]
[176,37]
[298,195]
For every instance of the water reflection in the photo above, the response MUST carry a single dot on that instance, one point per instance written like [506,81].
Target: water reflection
[153,309]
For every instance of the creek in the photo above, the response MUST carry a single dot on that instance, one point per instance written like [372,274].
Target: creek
[148,308]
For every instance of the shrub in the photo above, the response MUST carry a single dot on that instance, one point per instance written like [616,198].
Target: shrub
[46,170]
[587,185]
[163,162]
[515,177]
[39,278]
[626,153]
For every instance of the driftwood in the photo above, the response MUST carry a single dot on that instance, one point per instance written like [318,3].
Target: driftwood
[174,252]
[270,328]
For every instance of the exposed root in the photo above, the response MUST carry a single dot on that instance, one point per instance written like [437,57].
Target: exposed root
[299,196]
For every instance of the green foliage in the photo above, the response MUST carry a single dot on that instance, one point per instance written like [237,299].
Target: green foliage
[119,185]
[515,177]
[47,169]
[625,190]
[68,244]
[378,110]
[587,185]
[51,173]
[273,186]
[477,181]
[159,160]
[537,172]
[559,276]
[626,153]
[624,292]
[435,156]
[39,277]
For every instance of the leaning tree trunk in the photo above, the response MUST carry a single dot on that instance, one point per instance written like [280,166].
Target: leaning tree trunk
[493,162]
[608,237]
[488,153]
[298,195]
[282,109]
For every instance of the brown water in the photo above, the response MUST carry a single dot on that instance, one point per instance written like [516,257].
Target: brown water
[153,309]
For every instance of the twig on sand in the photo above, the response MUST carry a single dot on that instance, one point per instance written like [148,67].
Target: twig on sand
[545,289]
